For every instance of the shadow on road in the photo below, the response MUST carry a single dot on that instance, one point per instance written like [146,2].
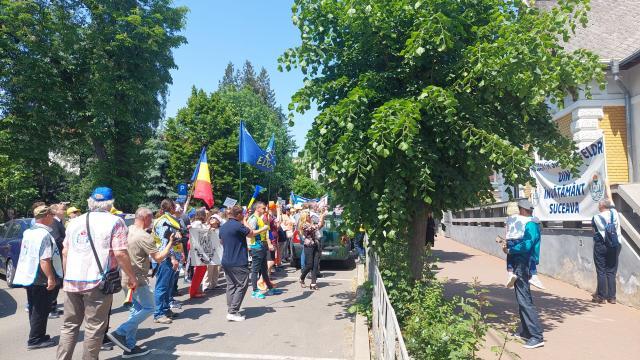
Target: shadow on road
[552,309]
[257,311]
[193,313]
[8,305]
[447,256]
[344,300]
[165,346]
[302,296]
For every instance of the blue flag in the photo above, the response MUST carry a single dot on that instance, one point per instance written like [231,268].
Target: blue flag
[249,152]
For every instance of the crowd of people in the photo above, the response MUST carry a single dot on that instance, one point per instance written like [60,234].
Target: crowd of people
[94,255]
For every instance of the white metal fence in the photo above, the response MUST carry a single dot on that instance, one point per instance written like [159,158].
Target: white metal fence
[387,337]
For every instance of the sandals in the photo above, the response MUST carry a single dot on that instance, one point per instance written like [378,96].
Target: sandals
[313,287]
[302,285]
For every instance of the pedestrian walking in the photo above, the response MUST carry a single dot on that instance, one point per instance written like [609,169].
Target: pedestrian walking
[311,247]
[141,246]
[259,245]
[164,228]
[431,230]
[233,235]
[606,249]
[530,326]
[39,271]
[94,246]
[58,233]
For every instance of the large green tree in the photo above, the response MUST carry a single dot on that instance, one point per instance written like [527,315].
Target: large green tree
[213,120]
[85,80]
[421,100]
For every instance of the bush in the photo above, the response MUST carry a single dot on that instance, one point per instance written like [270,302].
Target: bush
[440,328]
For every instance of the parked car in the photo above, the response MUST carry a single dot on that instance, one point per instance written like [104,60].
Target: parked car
[334,245]
[10,242]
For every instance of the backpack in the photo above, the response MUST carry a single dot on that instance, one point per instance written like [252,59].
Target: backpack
[610,234]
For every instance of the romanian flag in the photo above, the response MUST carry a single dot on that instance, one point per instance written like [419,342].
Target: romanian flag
[202,180]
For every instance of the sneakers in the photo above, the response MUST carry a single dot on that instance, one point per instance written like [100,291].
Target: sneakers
[535,281]
[175,305]
[170,314]
[518,336]
[119,340]
[611,301]
[533,343]
[511,279]
[106,346]
[235,317]
[42,344]
[162,320]
[273,291]
[54,315]
[135,352]
[597,299]
[257,295]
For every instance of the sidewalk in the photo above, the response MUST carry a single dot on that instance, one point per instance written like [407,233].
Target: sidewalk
[575,328]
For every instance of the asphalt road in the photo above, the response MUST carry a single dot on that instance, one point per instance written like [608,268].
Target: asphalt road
[299,324]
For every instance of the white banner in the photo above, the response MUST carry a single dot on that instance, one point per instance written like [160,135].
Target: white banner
[561,197]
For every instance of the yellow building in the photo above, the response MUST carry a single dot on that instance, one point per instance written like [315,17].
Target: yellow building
[614,112]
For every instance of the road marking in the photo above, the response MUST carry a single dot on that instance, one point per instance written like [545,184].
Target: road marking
[218,355]
[318,280]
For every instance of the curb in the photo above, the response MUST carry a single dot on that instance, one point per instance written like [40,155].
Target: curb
[361,350]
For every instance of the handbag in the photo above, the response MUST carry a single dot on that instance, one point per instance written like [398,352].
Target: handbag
[111,282]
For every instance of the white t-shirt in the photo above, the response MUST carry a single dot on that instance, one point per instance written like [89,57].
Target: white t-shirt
[606,216]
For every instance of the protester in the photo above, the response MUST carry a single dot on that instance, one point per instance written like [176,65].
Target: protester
[141,246]
[39,269]
[606,249]
[233,235]
[259,245]
[164,228]
[210,281]
[195,255]
[72,212]
[311,247]
[530,326]
[58,233]
[272,217]
[107,234]
[288,227]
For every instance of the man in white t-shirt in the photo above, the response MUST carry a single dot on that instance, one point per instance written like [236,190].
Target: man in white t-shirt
[605,257]
[36,271]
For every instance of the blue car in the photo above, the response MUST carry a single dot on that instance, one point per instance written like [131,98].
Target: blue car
[10,241]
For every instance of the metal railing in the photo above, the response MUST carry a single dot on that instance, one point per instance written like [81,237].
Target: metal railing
[389,344]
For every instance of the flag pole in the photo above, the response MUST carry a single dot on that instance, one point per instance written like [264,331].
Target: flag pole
[240,185]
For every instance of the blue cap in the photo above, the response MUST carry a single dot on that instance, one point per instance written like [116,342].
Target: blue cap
[102,194]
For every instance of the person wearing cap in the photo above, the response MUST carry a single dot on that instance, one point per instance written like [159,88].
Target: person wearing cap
[39,268]
[522,252]
[82,276]
[72,213]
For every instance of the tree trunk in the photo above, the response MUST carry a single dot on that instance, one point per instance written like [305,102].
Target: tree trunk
[100,149]
[418,235]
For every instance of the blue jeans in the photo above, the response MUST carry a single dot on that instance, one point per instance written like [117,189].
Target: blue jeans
[164,286]
[142,307]
[530,326]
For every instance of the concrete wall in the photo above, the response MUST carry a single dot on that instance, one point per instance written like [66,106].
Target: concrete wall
[565,255]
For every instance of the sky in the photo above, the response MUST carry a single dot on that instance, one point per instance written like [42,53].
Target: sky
[220,31]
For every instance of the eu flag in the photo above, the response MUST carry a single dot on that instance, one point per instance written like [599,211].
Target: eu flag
[249,152]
